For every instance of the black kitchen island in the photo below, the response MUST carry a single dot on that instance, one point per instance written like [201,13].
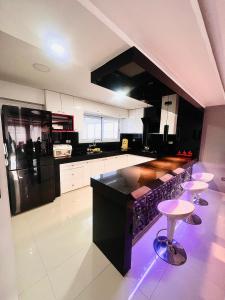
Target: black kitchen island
[125,204]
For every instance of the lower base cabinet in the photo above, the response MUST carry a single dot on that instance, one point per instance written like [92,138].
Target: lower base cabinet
[77,174]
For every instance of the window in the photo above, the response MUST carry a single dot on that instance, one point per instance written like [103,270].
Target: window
[110,129]
[100,128]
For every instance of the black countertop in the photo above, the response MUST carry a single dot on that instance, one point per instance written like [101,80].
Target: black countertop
[129,180]
[85,156]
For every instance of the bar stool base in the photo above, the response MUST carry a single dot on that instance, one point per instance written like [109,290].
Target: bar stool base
[173,254]
[201,202]
[193,219]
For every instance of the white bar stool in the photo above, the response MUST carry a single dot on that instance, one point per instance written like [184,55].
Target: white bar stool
[205,177]
[193,188]
[166,247]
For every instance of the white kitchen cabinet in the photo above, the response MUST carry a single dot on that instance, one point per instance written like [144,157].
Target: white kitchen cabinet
[77,174]
[66,181]
[96,167]
[72,178]
[78,114]
[53,102]
[67,103]
[59,103]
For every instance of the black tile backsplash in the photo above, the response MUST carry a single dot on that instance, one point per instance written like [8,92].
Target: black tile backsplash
[72,138]
[134,140]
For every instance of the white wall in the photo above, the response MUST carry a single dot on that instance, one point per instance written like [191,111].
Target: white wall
[10,90]
[8,289]
[212,155]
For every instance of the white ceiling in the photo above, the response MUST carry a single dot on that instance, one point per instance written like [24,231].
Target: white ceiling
[214,17]
[24,26]
[171,33]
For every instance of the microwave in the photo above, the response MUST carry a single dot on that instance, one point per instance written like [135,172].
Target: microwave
[62,150]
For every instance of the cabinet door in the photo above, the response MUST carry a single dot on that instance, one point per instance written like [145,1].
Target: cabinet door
[67,104]
[78,176]
[53,102]
[66,181]
[96,167]
[108,164]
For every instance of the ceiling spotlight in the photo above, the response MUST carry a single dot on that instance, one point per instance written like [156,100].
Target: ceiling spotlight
[121,92]
[41,67]
[58,49]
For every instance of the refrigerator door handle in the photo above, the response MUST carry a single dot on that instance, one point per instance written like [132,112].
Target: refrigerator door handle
[5,150]
[6,154]
[16,184]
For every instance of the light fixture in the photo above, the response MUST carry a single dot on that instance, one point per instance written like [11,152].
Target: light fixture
[57,47]
[121,92]
[166,126]
[41,67]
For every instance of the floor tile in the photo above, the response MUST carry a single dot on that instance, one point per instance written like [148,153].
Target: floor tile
[29,266]
[72,277]
[111,285]
[56,258]
[179,283]
[39,291]
[59,244]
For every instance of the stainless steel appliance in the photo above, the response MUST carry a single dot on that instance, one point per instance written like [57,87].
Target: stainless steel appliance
[29,157]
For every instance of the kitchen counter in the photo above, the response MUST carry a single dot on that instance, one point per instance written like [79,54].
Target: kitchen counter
[125,204]
[129,180]
[85,156]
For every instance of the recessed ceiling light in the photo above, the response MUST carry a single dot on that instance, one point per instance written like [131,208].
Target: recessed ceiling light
[121,92]
[41,67]
[57,49]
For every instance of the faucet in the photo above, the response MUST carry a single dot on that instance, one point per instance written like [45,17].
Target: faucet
[94,143]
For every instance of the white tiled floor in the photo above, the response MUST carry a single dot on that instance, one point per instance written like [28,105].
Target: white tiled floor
[57,260]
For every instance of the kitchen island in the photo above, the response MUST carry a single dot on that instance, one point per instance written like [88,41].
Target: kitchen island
[125,204]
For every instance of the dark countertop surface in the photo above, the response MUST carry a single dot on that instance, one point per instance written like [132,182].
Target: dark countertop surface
[129,180]
[85,156]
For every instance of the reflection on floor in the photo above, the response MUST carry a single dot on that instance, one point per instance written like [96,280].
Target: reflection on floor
[57,260]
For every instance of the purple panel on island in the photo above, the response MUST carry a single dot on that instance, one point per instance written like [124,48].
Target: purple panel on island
[145,211]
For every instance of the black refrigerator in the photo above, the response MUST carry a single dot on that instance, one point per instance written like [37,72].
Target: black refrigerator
[29,157]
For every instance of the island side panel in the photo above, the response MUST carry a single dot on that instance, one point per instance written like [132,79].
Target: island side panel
[112,226]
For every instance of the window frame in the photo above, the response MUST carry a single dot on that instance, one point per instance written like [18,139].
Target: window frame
[83,141]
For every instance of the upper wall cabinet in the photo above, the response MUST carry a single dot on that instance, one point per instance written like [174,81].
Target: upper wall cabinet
[59,103]
[69,105]
[99,109]
[67,102]
[53,102]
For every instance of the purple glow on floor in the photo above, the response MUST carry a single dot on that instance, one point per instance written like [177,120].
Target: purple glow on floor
[155,259]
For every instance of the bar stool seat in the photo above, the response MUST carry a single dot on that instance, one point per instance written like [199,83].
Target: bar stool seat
[166,247]
[205,177]
[194,188]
